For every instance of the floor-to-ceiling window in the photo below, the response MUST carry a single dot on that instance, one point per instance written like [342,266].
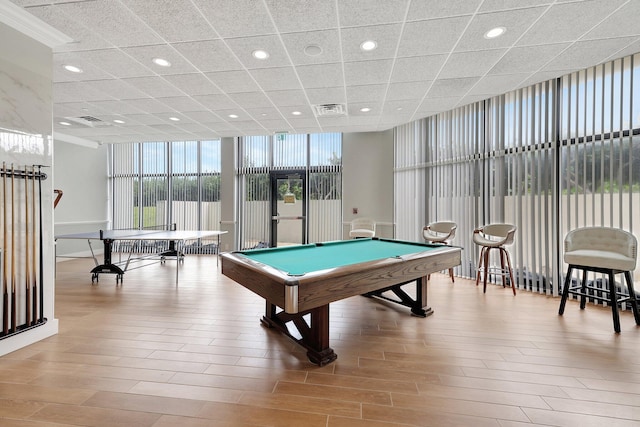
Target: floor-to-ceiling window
[163,184]
[548,158]
[317,156]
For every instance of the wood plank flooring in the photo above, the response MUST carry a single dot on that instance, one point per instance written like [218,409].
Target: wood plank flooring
[150,353]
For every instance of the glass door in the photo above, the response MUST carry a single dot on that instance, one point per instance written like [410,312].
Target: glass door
[288,208]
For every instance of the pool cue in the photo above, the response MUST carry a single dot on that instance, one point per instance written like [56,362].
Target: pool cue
[41,294]
[27,284]
[5,279]
[13,249]
[34,285]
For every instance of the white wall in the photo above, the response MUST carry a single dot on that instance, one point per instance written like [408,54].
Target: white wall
[25,140]
[81,173]
[367,179]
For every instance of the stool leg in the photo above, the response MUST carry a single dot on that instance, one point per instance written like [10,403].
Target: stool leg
[583,290]
[632,296]
[480,264]
[502,270]
[614,302]
[513,282]
[486,269]
[565,290]
[451,275]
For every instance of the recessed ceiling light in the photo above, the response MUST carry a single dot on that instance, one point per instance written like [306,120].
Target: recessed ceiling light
[494,32]
[175,119]
[65,123]
[118,121]
[365,109]
[313,50]
[368,45]
[233,116]
[73,68]
[260,54]
[161,62]
[399,109]
[296,113]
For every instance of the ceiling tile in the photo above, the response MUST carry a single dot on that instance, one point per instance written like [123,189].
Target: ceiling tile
[407,90]
[451,87]
[328,42]
[181,103]
[367,72]
[386,36]
[583,54]
[327,95]
[517,60]
[122,28]
[237,18]
[355,13]
[303,15]
[155,87]
[168,17]
[431,9]
[493,84]
[567,22]
[84,38]
[287,97]
[271,79]
[250,99]
[516,23]
[146,54]
[245,46]
[471,64]
[115,62]
[366,93]
[209,55]
[442,36]
[233,81]
[321,75]
[193,84]
[417,68]
[618,23]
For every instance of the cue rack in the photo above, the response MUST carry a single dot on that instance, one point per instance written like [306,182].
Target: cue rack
[21,249]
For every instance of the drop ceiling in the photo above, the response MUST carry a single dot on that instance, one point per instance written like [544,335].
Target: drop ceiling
[431,56]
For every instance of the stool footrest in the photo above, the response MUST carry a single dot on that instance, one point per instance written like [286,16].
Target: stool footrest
[573,291]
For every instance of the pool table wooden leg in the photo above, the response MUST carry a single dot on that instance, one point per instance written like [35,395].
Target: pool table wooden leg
[315,333]
[419,306]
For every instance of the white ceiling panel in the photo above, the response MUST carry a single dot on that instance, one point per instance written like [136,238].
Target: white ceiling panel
[567,22]
[167,18]
[291,16]
[432,36]
[233,81]
[357,13]
[432,9]
[321,75]
[115,62]
[471,64]
[237,18]
[431,56]
[367,72]
[313,47]
[193,84]
[121,28]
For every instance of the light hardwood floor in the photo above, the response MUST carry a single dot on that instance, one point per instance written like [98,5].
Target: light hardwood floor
[148,353]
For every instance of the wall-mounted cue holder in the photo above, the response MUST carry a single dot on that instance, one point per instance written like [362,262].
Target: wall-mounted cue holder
[21,256]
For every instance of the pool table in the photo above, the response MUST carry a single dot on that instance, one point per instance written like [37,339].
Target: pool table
[301,280]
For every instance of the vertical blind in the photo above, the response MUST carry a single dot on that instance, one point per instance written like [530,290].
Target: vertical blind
[158,184]
[318,156]
[547,158]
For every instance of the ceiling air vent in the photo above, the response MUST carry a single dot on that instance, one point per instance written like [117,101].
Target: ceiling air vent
[90,121]
[322,110]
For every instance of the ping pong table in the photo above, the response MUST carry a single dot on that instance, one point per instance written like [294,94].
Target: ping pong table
[108,237]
